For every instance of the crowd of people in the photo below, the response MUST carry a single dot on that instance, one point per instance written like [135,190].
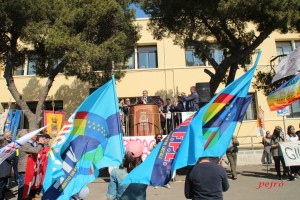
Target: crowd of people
[272,149]
[206,179]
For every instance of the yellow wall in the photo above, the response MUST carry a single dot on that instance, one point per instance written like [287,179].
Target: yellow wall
[170,78]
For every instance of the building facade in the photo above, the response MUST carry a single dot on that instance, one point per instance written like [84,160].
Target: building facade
[165,70]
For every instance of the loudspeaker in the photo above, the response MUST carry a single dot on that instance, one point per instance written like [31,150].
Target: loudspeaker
[203,91]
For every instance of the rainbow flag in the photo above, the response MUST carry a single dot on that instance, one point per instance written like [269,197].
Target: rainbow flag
[208,133]
[285,95]
[91,140]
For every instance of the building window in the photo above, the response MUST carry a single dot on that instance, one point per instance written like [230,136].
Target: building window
[130,63]
[285,47]
[294,110]
[147,57]
[19,71]
[217,55]
[251,113]
[192,59]
[31,67]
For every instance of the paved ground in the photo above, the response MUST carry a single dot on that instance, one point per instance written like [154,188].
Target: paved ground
[246,187]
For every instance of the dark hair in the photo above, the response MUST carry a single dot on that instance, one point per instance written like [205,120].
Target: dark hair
[2,139]
[276,132]
[156,135]
[130,162]
[289,129]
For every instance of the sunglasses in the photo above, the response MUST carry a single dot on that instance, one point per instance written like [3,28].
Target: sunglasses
[159,137]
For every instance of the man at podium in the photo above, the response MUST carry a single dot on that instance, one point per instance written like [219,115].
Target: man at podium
[145,99]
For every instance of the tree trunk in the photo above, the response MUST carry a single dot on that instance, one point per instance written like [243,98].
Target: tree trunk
[33,119]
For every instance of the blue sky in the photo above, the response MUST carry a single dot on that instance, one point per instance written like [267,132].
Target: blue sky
[139,12]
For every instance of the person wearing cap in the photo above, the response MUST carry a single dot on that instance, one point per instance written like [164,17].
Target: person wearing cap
[132,191]
[206,180]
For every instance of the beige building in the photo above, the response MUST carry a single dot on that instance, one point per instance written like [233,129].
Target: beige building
[164,70]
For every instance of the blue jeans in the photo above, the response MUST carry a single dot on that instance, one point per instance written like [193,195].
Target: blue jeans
[21,185]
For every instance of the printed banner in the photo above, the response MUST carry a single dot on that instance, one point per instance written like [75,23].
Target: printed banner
[286,94]
[147,141]
[55,121]
[3,117]
[291,153]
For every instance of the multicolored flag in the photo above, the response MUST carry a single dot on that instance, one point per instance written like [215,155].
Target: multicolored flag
[11,148]
[208,135]
[92,142]
[286,94]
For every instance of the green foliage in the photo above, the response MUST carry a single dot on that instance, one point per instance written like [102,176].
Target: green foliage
[89,39]
[263,82]
[205,23]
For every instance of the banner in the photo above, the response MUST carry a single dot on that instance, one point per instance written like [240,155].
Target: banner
[291,153]
[147,141]
[288,66]
[3,117]
[55,121]
[260,122]
[286,94]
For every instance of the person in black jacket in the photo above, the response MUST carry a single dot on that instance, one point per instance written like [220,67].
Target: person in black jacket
[206,180]
[5,167]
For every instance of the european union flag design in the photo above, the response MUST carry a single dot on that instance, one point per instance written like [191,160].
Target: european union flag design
[93,140]
[207,135]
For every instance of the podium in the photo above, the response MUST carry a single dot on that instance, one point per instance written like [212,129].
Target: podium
[144,120]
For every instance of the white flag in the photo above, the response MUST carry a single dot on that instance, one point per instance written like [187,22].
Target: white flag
[288,65]
[9,149]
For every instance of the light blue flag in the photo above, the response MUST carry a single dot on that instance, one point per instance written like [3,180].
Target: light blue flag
[92,139]
[218,120]
[208,134]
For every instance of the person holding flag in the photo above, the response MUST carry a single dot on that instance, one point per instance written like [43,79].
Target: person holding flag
[133,157]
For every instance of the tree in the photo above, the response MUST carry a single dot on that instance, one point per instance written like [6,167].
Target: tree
[236,26]
[88,39]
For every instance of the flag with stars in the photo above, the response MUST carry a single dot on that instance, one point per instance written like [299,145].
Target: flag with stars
[92,140]
[206,134]
[213,125]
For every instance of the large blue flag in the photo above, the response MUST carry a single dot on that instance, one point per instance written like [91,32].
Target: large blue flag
[92,139]
[208,135]
[13,121]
